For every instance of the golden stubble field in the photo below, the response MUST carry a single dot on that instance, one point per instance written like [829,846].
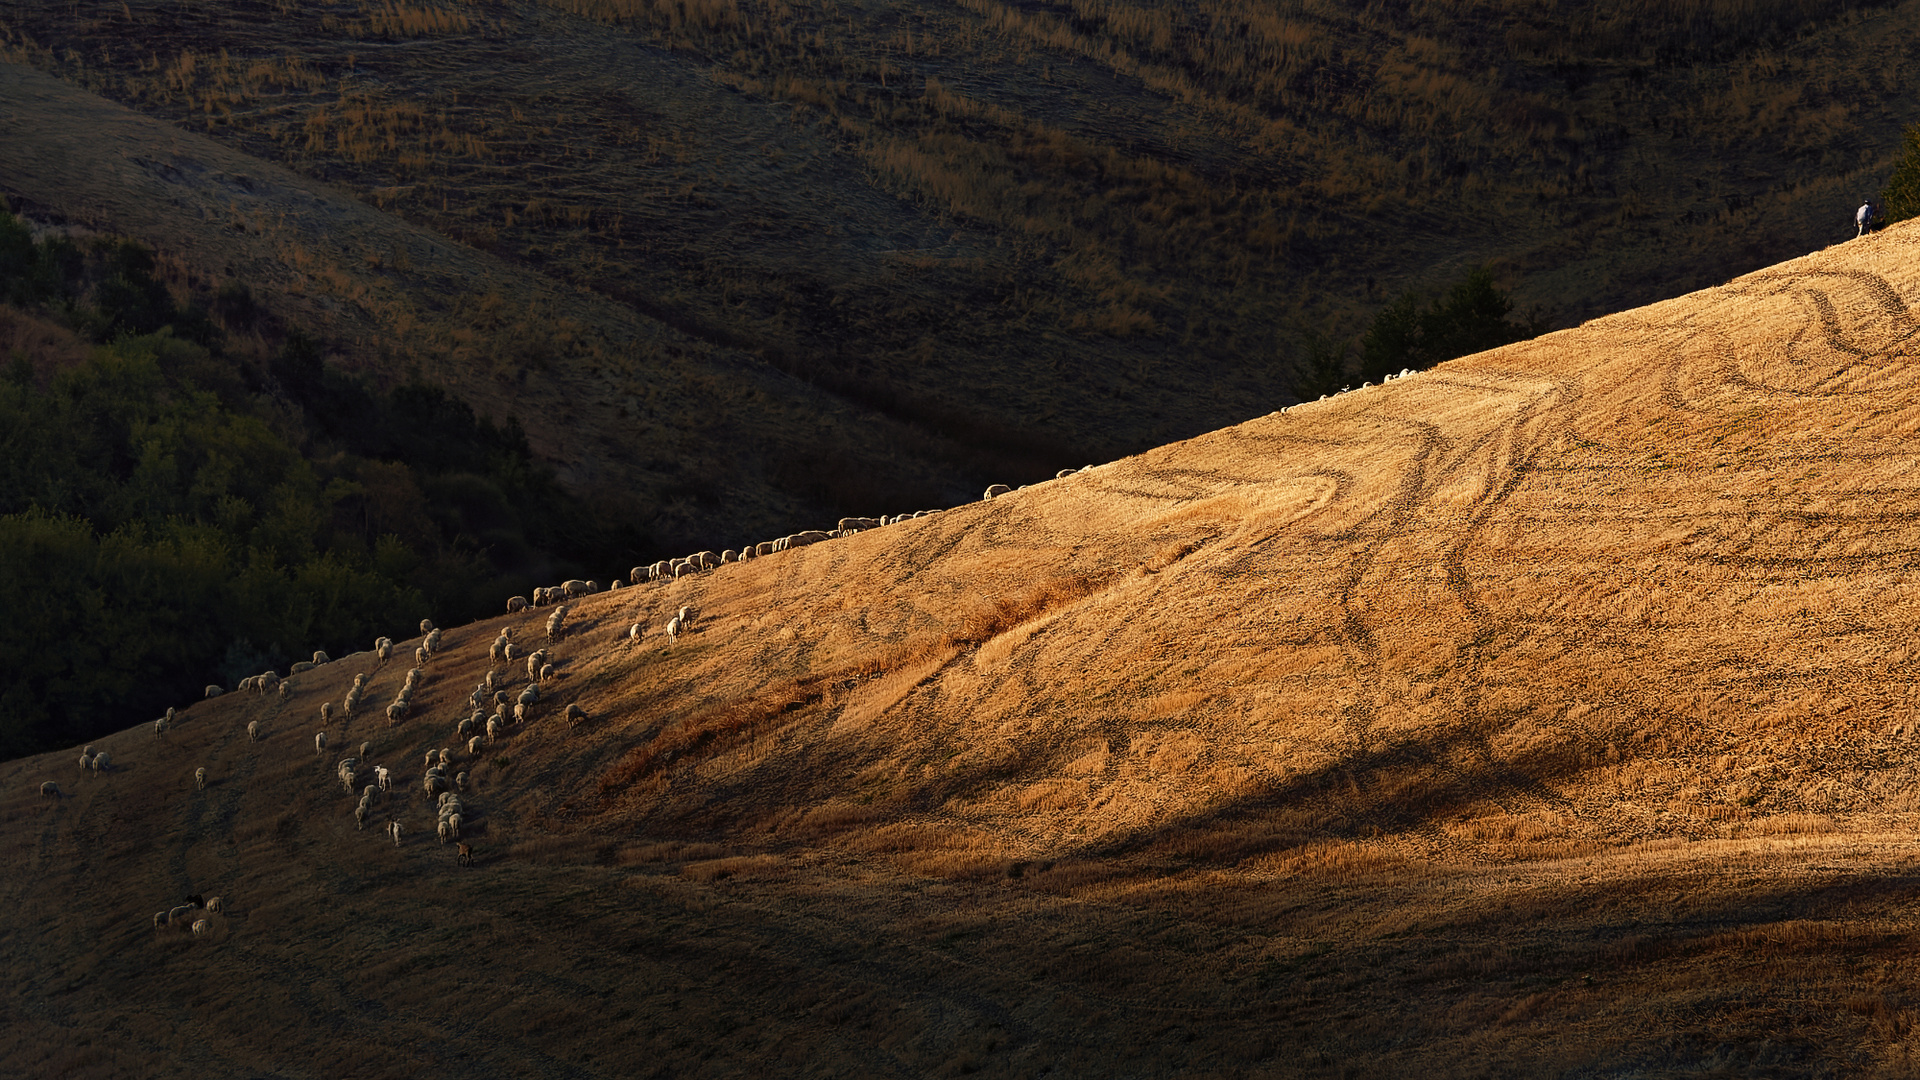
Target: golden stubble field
[1545,714]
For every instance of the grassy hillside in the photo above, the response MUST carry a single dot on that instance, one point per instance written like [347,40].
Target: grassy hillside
[1007,237]
[1544,714]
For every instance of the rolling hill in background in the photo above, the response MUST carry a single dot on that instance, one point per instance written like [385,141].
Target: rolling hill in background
[1548,713]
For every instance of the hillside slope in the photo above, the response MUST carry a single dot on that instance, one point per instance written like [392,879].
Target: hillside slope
[1544,714]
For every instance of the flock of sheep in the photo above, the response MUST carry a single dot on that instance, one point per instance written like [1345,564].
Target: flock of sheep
[479,728]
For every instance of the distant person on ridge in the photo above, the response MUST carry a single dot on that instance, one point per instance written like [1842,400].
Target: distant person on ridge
[1864,218]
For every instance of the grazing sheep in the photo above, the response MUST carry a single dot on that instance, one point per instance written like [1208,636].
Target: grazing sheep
[493,729]
[380,777]
[426,626]
[200,927]
[446,757]
[521,713]
[499,698]
[320,743]
[574,587]
[214,904]
[546,672]
[370,793]
[383,649]
[160,726]
[395,713]
[673,628]
[516,604]
[213,691]
[995,491]
[286,690]
[530,696]
[443,830]
[533,666]
[473,746]
[101,762]
[465,855]
[464,728]
[636,632]
[326,713]
[359,680]
[509,653]
[420,656]
[50,789]
[393,830]
[554,623]
[454,822]
[576,714]
[86,762]
[159,919]
[253,731]
[320,657]
[176,914]
[200,779]
[433,783]
[361,813]
[686,616]
[299,667]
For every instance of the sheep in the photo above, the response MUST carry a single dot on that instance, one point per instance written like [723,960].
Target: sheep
[673,628]
[683,567]
[432,758]
[473,746]
[200,779]
[320,743]
[516,604]
[361,813]
[509,653]
[326,713]
[448,803]
[50,789]
[320,657]
[215,904]
[420,656]
[464,728]
[546,672]
[574,587]
[383,649]
[494,650]
[465,855]
[533,666]
[460,781]
[381,777]
[854,524]
[443,830]
[160,726]
[994,491]
[554,624]
[446,756]
[102,762]
[728,556]
[299,667]
[370,793]
[395,713]
[636,632]
[499,698]
[521,713]
[366,749]
[159,919]
[433,783]
[493,729]
[200,927]
[576,714]
[412,680]
[530,695]
[213,691]
[351,703]
[433,642]
[359,679]
[393,830]
[426,626]
[253,731]
[174,915]
[86,761]
[453,825]
[686,616]
[286,690]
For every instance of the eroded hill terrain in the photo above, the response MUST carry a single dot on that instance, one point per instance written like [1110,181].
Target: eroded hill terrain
[1547,713]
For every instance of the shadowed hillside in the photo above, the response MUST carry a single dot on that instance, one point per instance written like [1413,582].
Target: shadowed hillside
[1545,714]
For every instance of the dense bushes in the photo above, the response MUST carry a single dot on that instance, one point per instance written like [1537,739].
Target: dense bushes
[1901,199]
[1417,332]
[171,515]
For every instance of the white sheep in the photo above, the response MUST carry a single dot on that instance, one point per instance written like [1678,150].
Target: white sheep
[473,746]
[493,728]
[393,830]
[361,813]
[320,657]
[213,691]
[215,904]
[460,781]
[160,726]
[576,714]
[253,730]
[453,823]
[200,927]
[464,728]
[522,713]
[383,649]
[159,919]
[396,712]
[508,652]
[426,626]
[380,777]
[286,690]
[300,667]
[432,760]
[326,713]
[50,789]
[320,743]
[636,631]
[433,641]
[533,666]
[516,604]
[420,656]
[176,914]
[102,762]
[673,628]
[200,779]
[351,703]
[686,616]
[446,756]
[995,491]
[546,672]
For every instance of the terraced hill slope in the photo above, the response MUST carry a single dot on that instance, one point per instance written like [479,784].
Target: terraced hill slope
[1548,713]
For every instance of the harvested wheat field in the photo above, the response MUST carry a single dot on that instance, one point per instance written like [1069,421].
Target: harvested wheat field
[1549,713]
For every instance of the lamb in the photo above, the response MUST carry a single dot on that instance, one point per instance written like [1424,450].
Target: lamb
[320,743]
[516,604]
[213,691]
[393,830]
[200,927]
[200,779]
[50,789]
[326,713]
[380,777]
[253,730]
